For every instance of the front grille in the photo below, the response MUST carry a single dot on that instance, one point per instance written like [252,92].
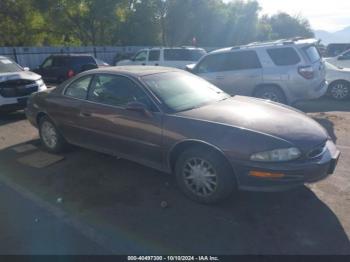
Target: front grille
[317,151]
[18,88]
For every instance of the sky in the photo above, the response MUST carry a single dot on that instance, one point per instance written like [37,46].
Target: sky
[329,15]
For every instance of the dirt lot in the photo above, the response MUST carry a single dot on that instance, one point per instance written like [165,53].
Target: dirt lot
[120,201]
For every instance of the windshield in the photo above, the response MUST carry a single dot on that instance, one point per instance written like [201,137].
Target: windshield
[182,91]
[8,66]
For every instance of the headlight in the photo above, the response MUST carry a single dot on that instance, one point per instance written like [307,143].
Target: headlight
[277,155]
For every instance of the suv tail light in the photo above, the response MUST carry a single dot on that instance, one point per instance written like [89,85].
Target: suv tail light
[306,72]
[70,73]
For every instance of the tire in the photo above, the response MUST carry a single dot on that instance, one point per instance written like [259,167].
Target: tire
[50,138]
[339,90]
[217,171]
[272,93]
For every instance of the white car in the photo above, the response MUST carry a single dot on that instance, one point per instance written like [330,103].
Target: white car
[171,57]
[16,85]
[339,81]
[342,60]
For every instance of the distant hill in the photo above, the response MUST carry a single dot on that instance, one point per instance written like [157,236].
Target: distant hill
[342,36]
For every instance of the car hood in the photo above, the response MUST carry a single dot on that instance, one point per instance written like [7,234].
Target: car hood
[27,75]
[263,117]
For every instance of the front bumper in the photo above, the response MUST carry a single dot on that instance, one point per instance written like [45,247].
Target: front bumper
[17,103]
[295,173]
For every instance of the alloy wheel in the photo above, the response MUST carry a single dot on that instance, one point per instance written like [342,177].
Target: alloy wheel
[200,177]
[339,91]
[49,134]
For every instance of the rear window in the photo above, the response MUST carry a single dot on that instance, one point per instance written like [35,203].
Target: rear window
[183,54]
[83,60]
[312,53]
[284,56]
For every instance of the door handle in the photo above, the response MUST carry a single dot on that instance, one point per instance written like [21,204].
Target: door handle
[86,114]
[219,77]
[143,63]
[156,64]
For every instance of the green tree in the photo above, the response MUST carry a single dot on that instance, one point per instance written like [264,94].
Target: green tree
[284,25]
[20,23]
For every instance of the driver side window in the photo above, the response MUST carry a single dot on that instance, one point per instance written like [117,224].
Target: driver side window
[116,91]
[212,64]
[141,56]
[48,63]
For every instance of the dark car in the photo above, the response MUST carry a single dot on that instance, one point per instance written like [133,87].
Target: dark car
[176,122]
[58,68]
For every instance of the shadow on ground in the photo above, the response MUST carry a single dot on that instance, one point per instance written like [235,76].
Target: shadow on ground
[7,118]
[324,104]
[123,200]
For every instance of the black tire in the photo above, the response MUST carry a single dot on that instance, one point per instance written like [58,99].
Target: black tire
[339,90]
[60,143]
[225,179]
[272,93]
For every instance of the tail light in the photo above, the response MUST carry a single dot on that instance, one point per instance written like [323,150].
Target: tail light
[306,72]
[70,73]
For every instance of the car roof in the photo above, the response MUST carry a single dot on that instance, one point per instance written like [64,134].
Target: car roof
[173,48]
[278,43]
[135,71]
[71,55]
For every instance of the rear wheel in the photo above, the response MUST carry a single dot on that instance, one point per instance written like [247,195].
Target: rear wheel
[50,137]
[339,90]
[271,93]
[204,175]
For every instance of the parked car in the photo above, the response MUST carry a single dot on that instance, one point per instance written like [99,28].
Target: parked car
[58,68]
[342,60]
[171,57]
[176,122]
[335,49]
[284,71]
[339,81]
[16,84]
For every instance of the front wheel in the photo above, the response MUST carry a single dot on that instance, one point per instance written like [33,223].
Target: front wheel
[50,137]
[204,175]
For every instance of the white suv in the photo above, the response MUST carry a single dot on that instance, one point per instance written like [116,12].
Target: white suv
[283,71]
[16,85]
[171,57]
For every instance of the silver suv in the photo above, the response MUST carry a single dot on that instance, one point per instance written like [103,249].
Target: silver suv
[283,71]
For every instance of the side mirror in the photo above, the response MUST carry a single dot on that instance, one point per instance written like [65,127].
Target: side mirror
[138,107]
[26,68]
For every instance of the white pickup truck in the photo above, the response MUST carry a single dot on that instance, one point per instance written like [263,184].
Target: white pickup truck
[177,57]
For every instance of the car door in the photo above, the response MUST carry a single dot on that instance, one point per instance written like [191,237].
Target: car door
[112,128]
[154,57]
[140,58]
[211,68]
[46,69]
[66,109]
[241,73]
